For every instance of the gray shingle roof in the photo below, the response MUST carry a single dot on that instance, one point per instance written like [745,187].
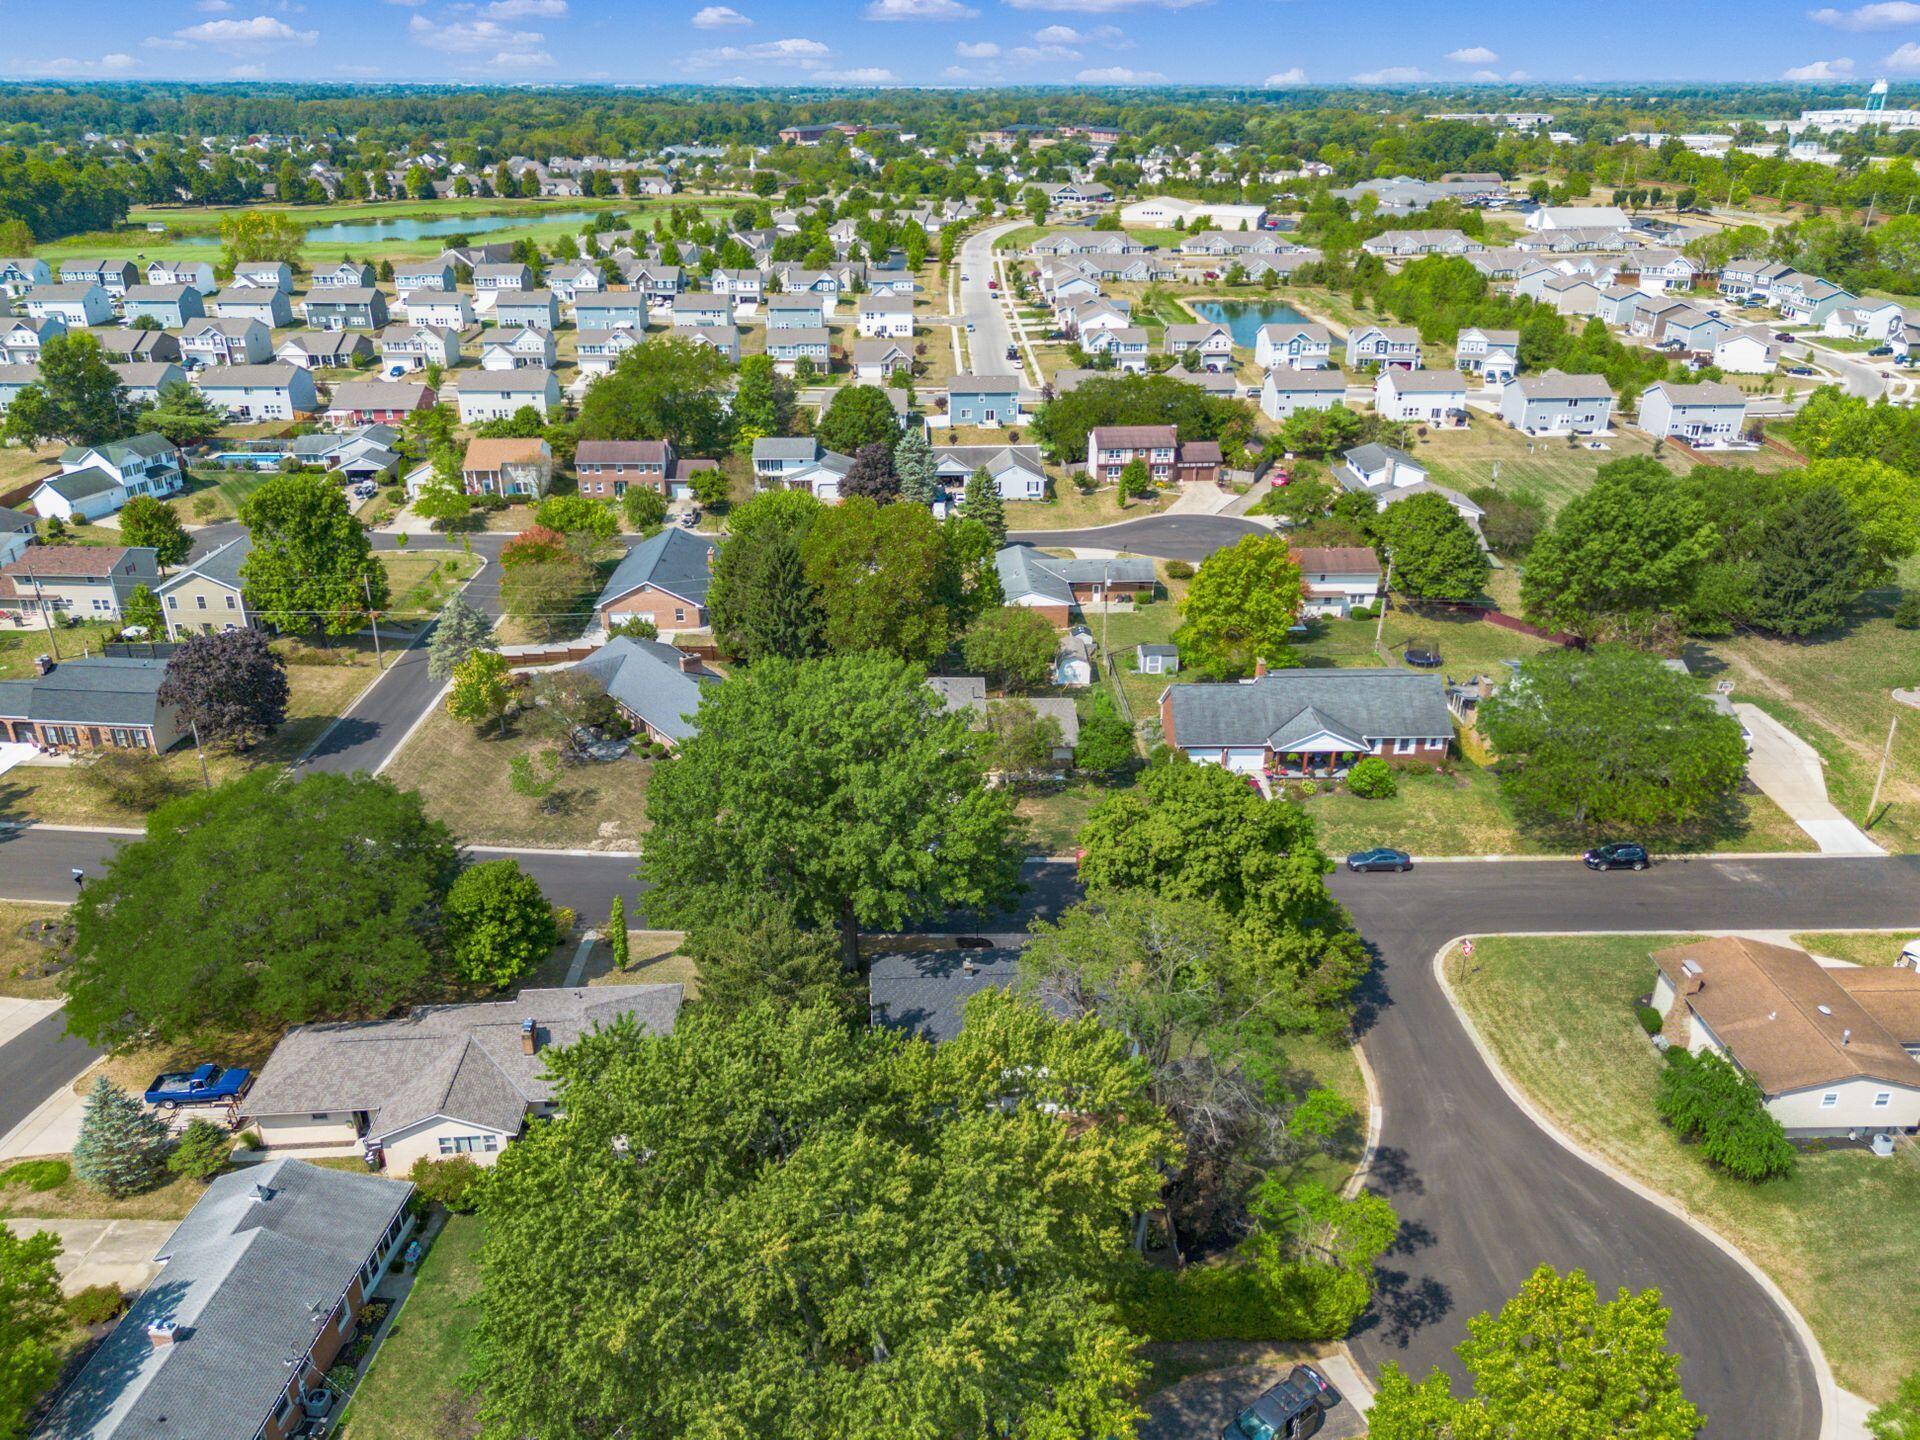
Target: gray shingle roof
[1287,706]
[76,485]
[984,385]
[925,992]
[672,560]
[1026,571]
[100,690]
[241,1279]
[222,566]
[462,1061]
[647,678]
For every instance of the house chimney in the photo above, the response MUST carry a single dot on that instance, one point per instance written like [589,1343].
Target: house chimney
[689,664]
[529,1037]
[43,664]
[162,1332]
[967,967]
[1259,667]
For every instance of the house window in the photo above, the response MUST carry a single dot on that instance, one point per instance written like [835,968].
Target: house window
[1882,1099]
[173,602]
[199,602]
[1402,746]
[232,603]
[129,739]
[468,1144]
[1830,1100]
[679,615]
[323,1115]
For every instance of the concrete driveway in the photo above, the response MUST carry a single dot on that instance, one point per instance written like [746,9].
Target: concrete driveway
[1202,1406]
[103,1252]
[1788,772]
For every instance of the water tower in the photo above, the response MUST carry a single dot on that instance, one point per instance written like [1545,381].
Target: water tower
[1877,97]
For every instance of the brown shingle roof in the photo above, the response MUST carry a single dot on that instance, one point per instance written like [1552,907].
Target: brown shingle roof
[1338,559]
[492,454]
[1787,1022]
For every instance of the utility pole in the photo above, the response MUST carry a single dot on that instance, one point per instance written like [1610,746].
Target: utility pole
[1885,754]
[53,639]
[1380,629]
[205,779]
[366,583]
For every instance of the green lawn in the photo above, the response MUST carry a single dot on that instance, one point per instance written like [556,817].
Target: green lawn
[1053,816]
[419,582]
[1552,471]
[1838,1237]
[1856,947]
[69,642]
[211,496]
[20,954]
[417,1368]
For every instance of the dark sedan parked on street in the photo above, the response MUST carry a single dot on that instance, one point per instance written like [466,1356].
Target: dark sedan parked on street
[1381,858]
[1620,855]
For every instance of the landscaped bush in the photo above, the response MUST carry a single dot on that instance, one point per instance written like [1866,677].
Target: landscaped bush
[1650,1019]
[1373,779]
[1179,570]
[201,1152]
[1906,615]
[95,1305]
[1706,1100]
[450,1182]
[41,1175]
[1232,1302]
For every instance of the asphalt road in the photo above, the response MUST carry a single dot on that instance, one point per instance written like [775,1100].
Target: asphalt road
[35,1063]
[1168,537]
[981,307]
[1485,1198]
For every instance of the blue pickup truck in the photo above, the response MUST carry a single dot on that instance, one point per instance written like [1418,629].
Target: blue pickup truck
[206,1085]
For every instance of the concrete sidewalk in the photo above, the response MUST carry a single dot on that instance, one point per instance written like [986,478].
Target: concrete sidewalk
[1788,772]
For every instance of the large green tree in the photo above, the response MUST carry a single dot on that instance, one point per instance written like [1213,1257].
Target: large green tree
[1013,646]
[885,579]
[667,389]
[147,521]
[1899,1417]
[878,817]
[760,953]
[761,600]
[32,1327]
[1240,608]
[1810,566]
[858,415]
[78,397]
[1556,1361]
[183,414]
[311,566]
[1191,831]
[1619,557]
[913,463]
[1610,739]
[1434,552]
[831,1233]
[264,901]
[498,923]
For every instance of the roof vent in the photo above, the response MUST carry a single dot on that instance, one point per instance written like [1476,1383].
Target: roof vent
[262,1194]
[529,1036]
[1690,967]
[1824,1009]
[1846,1037]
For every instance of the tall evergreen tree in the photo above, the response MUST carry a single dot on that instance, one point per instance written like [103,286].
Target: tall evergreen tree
[617,931]
[1810,567]
[981,501]
[123,1146]
[913,463]
[461,630]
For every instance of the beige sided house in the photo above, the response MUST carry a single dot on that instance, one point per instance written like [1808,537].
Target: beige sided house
[208,595]
[445,1080]
[1833,1050]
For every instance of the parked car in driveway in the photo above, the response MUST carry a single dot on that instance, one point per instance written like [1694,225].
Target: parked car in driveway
[1800,370]
[1380,858]
[203,1085]
[1292,1410]
[1621,855]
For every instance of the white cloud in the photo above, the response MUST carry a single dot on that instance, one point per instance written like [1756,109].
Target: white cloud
[1293,76]
[470,37]
[919,10]
[247,72]
[245,34]
[213,7]
[1392,75]
[1120,75]
[797,53]
[118,60]
[1514,77]
[1820,70]
[1907,57]
[860,75]
[524,9]
[523,59]
[1058,35]
[718,17]
[1472,55]
[1102,7]
[1034,54]
[1885,15]
[1484,75]
[976,49]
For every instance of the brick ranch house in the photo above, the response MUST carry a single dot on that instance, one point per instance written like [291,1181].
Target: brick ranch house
[665,579]
[1302,724]
[105,702]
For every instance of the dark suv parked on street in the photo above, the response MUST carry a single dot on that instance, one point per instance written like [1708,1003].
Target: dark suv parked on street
[1621,855]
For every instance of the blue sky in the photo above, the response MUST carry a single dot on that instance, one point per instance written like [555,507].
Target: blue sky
[957,42]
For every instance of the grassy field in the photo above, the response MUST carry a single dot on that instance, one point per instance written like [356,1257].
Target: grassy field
[1552,471]
[211,496]
[19,647]
[1053,816]
[1069,509]
[20,464]
[1834,693]
[78,1201]
[1838,1236]
[465,781]
[420,1360]
[653,958]
[419,582]
[17,952]
[64,794]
